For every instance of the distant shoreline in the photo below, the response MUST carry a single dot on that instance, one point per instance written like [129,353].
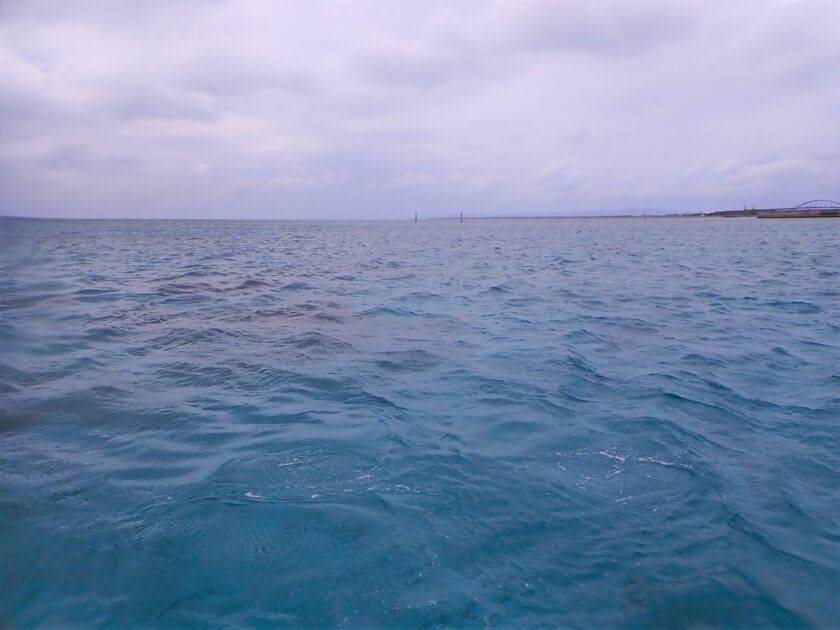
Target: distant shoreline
[774,213]
[781,213]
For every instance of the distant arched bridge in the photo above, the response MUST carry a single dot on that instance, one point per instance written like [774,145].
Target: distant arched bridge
[816,208]
[818,204]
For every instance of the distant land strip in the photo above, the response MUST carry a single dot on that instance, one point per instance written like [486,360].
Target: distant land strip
[764,213]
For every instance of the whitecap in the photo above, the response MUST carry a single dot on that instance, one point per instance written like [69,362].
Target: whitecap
[619,458]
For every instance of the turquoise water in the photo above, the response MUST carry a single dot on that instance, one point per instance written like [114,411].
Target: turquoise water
[582,423]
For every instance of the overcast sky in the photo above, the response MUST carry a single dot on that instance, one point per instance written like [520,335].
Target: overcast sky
[380,110]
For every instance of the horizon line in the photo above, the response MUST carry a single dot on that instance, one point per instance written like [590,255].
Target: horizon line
[411,218]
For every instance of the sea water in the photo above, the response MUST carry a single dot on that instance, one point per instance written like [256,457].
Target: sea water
[580,423]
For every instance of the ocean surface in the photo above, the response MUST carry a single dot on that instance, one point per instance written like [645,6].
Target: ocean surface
[515,423]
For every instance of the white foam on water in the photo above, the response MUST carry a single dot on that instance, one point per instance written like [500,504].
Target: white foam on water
[653,460]
[618,458]
[292,462]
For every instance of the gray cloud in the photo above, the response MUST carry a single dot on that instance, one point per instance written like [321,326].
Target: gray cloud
[594,27]
[381,109]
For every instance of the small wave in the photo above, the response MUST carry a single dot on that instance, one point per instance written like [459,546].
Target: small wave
[316,343]
[794,306]
[296,286]
[251,284]
[182,337]
[389,311]
[408,361]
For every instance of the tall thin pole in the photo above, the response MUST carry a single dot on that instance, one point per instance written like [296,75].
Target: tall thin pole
[462,217]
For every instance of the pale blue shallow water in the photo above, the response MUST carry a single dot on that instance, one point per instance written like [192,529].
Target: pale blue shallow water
[581,423]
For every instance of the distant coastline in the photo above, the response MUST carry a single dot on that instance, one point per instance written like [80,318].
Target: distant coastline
[753,213]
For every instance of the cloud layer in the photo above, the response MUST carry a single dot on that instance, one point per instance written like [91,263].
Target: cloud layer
[380,110]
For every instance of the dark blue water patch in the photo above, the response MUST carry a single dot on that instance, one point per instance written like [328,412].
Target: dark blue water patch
[605,423]
[416,360]
[389,311]
[296,286]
